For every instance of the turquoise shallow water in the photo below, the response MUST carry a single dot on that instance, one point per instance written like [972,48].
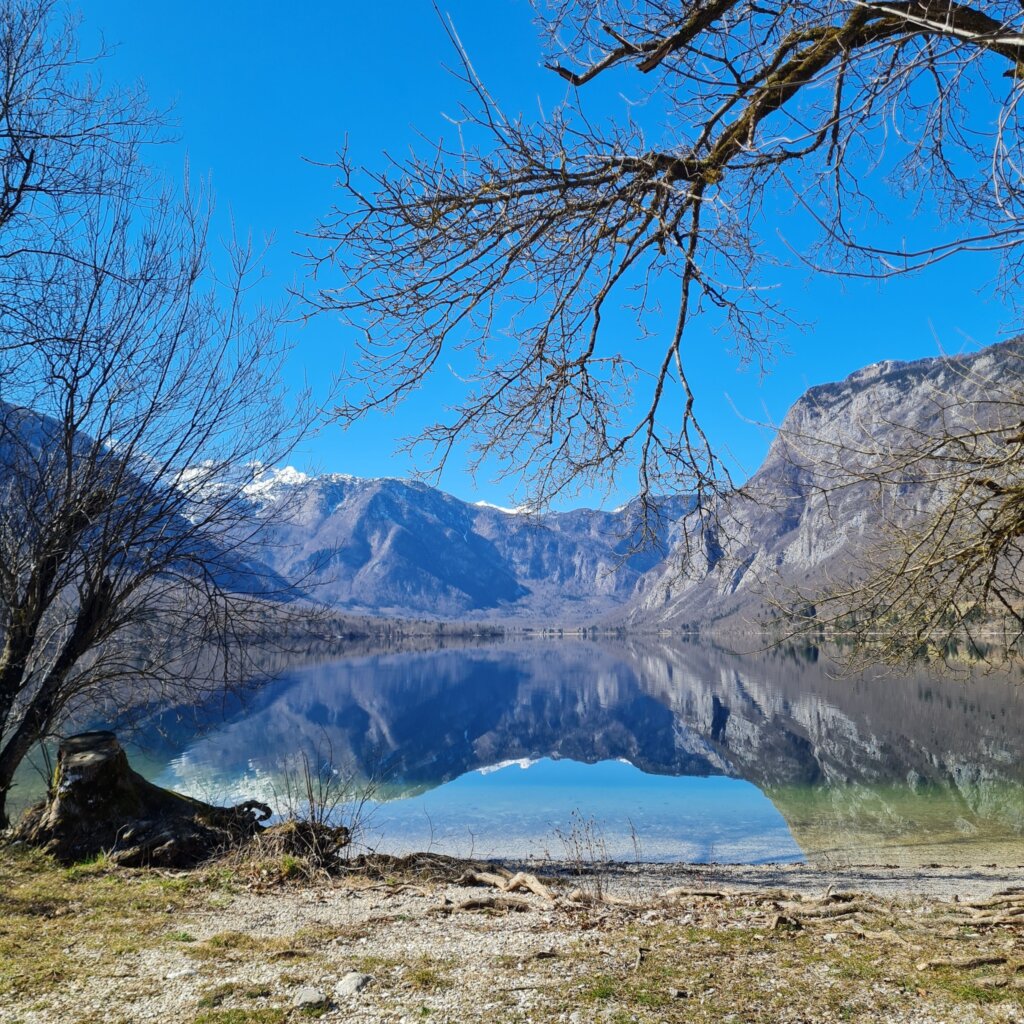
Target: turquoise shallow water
[546,808]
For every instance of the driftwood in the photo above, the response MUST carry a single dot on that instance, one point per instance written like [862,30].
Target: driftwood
[964,963]
[485,878]
[888,935]
[99,805]
[782,923]
[683,892]
[500,903]
[530,883]
[507,882]
[999,900]
[828,912]
[993,921]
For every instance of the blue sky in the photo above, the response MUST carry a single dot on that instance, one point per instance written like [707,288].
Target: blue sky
[257,87]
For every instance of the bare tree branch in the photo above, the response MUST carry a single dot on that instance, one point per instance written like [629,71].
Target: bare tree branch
[524,241]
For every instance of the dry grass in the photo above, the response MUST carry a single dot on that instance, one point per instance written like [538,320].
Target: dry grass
[699,959]
[92,911]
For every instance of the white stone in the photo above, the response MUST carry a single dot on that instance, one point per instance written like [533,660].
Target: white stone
[308,997]
[352,983]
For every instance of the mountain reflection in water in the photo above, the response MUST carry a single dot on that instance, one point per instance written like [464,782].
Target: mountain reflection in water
[858,770]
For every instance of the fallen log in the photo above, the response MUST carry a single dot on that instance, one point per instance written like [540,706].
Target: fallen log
[684,892]
[499,903]
[484,878]
[509,883]
[810,912]
[521,880]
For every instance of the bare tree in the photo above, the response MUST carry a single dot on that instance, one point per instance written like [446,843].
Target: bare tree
[523,238]
[138,395]
[65,137]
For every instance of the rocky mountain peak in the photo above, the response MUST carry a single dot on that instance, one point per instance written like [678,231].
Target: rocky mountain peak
[788,534]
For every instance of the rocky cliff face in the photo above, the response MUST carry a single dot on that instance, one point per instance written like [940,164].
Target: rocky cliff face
[795,530]
[398,547]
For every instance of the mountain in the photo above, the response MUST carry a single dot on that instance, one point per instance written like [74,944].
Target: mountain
[398,547]
[47,474]
[794,531]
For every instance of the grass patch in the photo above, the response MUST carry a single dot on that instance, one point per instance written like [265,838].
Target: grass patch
[302,943]
[62,924]
[262,1015]
[427,975]
[967,987]
[371,964]
[602,987]
[217,995]
[722,972]
[232,945]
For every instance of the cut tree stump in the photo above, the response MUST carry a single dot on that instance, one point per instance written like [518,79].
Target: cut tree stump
[99,805]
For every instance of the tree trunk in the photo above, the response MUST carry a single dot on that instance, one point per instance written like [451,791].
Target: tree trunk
[99,805]
[5,821]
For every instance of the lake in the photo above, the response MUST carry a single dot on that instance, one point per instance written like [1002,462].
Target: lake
[655,750]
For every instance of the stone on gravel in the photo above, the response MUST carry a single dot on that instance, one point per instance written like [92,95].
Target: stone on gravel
[309,998]
[352,983]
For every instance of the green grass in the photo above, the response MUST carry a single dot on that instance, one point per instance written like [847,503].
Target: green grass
[215,995]
[602,987]
[262,1015]
[50,916]
[241,945]
[427,975]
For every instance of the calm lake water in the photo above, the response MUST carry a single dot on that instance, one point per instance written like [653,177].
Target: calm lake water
[665,751]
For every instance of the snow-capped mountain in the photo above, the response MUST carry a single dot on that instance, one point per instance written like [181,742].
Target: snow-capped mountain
[401,548]
[398,547]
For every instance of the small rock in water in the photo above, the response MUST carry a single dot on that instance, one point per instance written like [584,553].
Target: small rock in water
[352,983]
[309,998]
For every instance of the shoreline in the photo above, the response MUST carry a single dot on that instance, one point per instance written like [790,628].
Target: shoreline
[937,881]
[399,940]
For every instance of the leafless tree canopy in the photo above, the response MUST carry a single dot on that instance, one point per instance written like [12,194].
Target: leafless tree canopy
[136,390]
[64,135]
[526,239]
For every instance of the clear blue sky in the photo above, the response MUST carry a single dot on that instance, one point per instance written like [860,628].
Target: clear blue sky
[256,87]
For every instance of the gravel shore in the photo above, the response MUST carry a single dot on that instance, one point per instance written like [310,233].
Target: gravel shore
[433,939]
